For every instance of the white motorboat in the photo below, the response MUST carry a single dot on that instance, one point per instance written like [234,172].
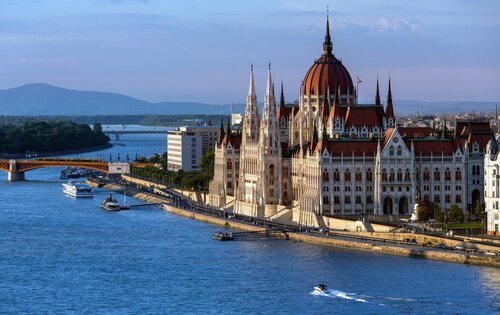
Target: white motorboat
[77,190]
[321,288]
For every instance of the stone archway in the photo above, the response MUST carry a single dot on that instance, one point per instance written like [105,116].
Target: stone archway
[403,205]
[387,205]
[476,197]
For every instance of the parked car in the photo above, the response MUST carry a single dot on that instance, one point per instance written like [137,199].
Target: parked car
[459,247]
[442,246]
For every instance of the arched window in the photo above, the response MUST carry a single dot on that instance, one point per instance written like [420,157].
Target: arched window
[400,151]
[391,150]
[369,175]
[358,175]
[271,172]
[447,174]
[384,175]
[400,175]
[437,174]
[347,176]
[391,175]
[407,175]
[326,175]
[229,164]
[336,175]
[426,174]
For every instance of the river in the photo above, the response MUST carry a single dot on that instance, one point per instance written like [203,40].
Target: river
[61,255]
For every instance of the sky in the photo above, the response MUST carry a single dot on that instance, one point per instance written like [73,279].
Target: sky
[186,50]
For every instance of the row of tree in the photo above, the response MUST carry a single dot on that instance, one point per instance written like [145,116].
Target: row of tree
[49,136]
[427,211]
[194,180]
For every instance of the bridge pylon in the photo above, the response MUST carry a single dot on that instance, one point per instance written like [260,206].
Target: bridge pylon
[13,174]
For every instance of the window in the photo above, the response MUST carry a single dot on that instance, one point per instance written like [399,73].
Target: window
[347,199]
[347,176]
[391,175]
[436,198]
[400,175]
[458,174]
[400,151]
[447,198]
[325,200]
[358,175]
[447,174]
[391,151]
[458,198]
[437,174]
[336,175]
[369,175]
[326,176]
[384,175]
[426,174]
[407,175]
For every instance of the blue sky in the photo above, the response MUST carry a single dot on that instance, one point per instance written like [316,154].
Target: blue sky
[161,50]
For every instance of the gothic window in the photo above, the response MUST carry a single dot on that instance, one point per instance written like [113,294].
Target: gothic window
[475,147]
[391,175]
[358,175]
[326,176]
[458,198]
[407,175]
[285,171]
[437,174]
[271,172]
[436,198]
[426,198]
[391,150]
[369,199]
[347,199]
[400,175]
[426,174]
[271,192]
[400,150]
[347,176]
[229,185]
[447,198]
[229,164]
[336,175]
[447,174]
[369,175]
[336,200]
[384,175]
[358,200]
[325,200]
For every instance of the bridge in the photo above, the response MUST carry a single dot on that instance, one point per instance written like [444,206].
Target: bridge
[118,133]
[17,168]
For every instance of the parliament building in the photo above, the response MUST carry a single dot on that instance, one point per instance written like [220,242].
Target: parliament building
[332,156]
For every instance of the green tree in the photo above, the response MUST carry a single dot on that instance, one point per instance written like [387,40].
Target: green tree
[424,211]
[97,128]
[479,210]
[207,163]
[456,214]
[438,213]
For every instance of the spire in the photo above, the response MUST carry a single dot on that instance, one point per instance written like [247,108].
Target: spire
[335,110]
[325,107]
[327,44]
[228,126]
[269,100]
[221,132]
[389,111]
[251,88]
[377,95]
[282,96]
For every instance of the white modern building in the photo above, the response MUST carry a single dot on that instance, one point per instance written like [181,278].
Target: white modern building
[208,135]
[184,150]
[491,187]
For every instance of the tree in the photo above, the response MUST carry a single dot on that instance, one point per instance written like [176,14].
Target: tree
[207,163]
[424,211]
[456,214]
[438,214]
[479,210]
[97,128]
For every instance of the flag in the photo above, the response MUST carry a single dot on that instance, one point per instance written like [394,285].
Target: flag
[359,80]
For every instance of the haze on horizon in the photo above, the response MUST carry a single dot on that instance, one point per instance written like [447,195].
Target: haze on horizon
[202,50]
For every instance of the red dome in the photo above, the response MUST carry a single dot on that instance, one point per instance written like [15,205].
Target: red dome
[327,70]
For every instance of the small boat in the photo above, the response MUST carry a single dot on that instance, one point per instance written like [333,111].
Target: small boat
[77,190]
[321,288]
[223,236]
[110,204]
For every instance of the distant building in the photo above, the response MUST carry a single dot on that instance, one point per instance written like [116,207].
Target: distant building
[491,187]
[187,146]
[184,151]
[208,136]
[236,119]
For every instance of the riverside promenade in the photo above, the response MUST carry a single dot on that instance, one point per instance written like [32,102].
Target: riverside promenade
[423,246]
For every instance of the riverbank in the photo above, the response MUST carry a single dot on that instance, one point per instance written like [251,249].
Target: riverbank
[339,240]
[57,153]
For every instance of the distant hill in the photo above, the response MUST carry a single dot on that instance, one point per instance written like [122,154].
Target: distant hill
[45,99]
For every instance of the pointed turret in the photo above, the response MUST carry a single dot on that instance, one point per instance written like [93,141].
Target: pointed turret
[251,120]
[335,108]
[377,96]
[221,132]
[327,44]
[228,130]
[389,111]
[325,107]
[269,100]
[282,96]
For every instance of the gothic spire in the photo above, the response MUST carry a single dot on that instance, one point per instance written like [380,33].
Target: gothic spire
[327,44]
[228,126]
[269,100]
[389,111]
[282,96]
[377,96]
[221,132]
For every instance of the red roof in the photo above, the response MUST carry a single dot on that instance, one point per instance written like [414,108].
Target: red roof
[415,132]
[434,146]
[234,139]
[364,116]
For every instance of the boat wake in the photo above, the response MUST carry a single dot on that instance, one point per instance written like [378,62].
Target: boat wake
[339,294]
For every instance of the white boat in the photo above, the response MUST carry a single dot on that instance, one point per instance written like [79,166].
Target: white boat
[321,288]
[111,204]
[77,190]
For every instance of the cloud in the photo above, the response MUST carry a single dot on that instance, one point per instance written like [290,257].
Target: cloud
[393,24]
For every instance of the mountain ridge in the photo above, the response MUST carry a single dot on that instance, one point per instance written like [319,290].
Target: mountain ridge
[46,99]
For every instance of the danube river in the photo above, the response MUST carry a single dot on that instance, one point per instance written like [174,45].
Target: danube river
[60,255]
